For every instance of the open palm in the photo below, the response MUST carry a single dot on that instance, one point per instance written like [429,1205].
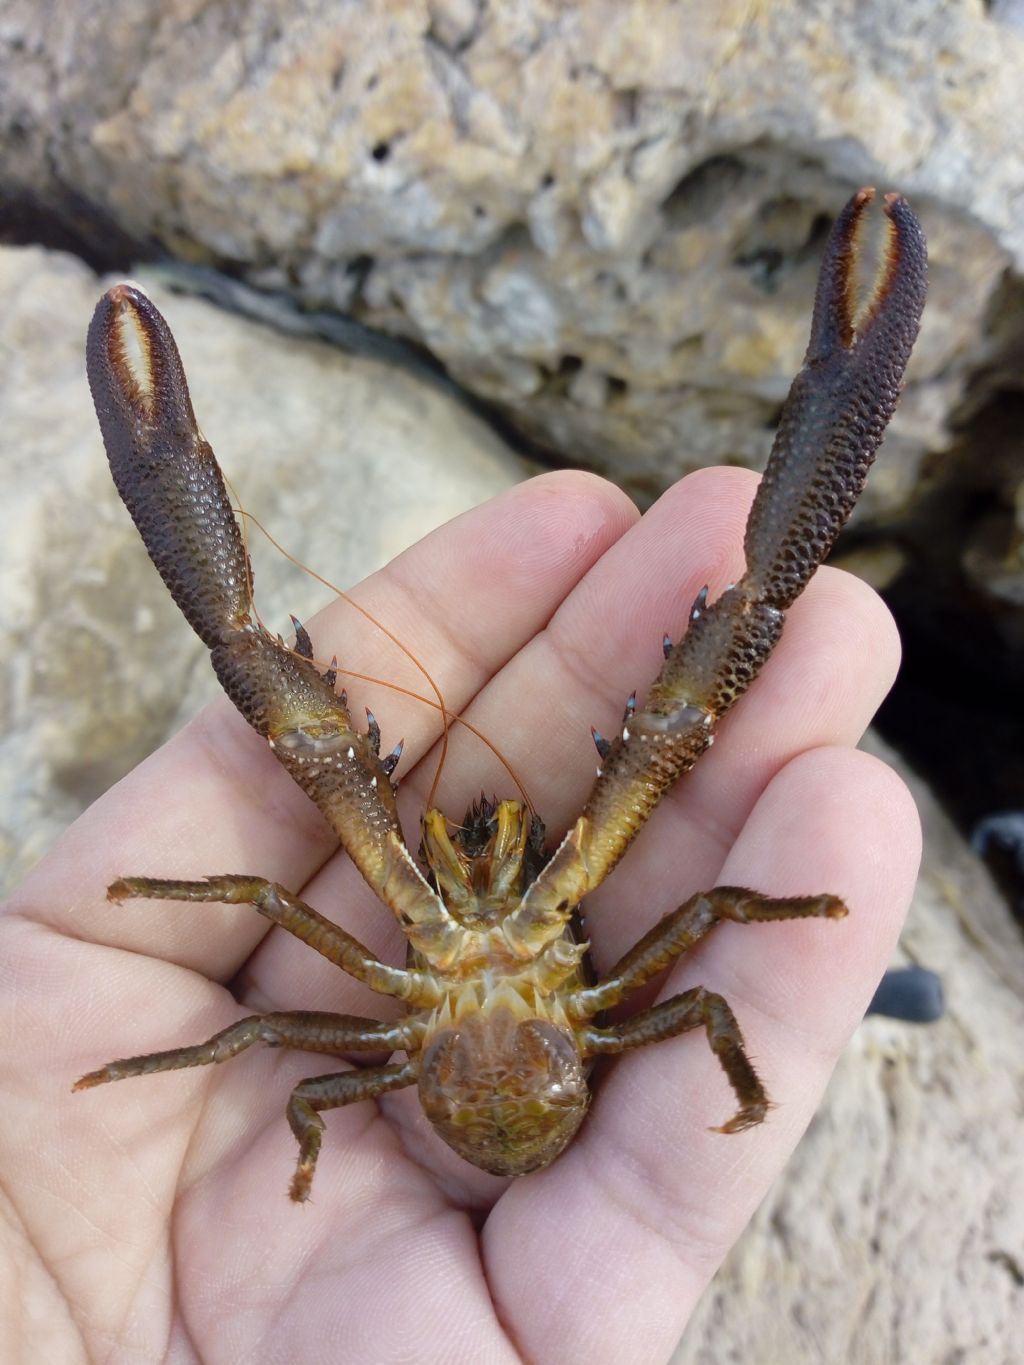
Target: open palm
[149,1220]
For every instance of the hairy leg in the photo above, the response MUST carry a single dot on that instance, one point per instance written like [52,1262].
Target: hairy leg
[292,914]
[680,930]
[693,1009]
[310,1097]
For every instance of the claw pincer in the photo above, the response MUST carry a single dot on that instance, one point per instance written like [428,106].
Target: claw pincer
[170,482]
[500,1026]
[831,425]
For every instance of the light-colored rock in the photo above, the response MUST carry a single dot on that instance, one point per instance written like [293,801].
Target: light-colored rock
[346,460]
[896,1233]
[604,217]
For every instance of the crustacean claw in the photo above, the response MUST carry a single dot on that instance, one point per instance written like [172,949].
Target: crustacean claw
[839,404]
[830,428]
[170,482]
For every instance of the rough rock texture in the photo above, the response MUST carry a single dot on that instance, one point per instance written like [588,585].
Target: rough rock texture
[896,1233]
[605,217]
[89,684]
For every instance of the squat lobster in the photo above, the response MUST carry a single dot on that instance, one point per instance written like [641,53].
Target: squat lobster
[500,1025]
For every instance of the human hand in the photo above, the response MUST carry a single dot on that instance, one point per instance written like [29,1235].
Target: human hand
[150,1219]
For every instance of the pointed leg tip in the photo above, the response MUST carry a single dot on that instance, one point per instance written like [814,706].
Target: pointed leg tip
[746,1118]
[89,1080]
[301,1184]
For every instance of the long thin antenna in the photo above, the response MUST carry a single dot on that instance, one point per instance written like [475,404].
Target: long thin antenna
[437,702]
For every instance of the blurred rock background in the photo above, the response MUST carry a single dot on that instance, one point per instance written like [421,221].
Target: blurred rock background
[445,239]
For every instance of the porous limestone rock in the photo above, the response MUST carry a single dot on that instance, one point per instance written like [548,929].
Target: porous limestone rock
[604,217]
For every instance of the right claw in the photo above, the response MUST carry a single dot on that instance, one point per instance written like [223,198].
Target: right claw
[839,404]
[831,426]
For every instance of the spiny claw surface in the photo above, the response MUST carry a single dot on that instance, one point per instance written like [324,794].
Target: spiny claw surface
[165,472]
[839,404]
[830,428]
[171,484]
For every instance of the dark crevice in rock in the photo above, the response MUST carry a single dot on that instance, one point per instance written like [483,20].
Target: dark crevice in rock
[702,187]
[617,390]
[358,271]
[780,241]
[955,710]
[76,226]
[557,379]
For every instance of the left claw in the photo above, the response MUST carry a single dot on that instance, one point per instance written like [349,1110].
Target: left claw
[170,482]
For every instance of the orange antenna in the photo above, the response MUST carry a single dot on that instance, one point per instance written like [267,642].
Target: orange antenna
[437,702]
